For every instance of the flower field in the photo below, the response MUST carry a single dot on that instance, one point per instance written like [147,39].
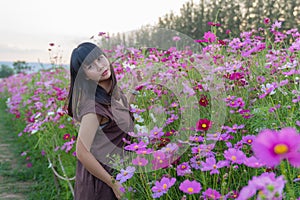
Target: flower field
[220,124]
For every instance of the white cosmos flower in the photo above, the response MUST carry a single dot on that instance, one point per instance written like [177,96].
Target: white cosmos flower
[138,118]
[141,129]
[266,88]
[126,64]
[50,113]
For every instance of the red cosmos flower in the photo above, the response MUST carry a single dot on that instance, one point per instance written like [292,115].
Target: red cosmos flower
[203,101]
[236,76]
[66,136]
[266,20]
[213,24]
[221,42]
[163,142]
[203,125]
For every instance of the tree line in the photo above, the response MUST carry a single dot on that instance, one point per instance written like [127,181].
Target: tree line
[234,16]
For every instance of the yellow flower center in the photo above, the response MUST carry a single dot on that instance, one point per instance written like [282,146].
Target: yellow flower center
[140,163]
[281,149]
[165,186]
[204,125]
[249,141]
[160,161]
[215,135]
[125,173]
[155,133]
[215,166]
[233,158]
[190,190]
[136,146]
[183,167]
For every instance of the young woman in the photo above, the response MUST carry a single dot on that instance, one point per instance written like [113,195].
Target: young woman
[96,101]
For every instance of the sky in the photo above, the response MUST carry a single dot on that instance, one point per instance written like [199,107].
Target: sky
[28,26]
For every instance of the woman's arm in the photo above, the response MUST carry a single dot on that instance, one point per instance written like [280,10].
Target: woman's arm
[88,128]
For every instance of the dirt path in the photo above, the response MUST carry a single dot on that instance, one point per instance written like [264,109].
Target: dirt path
[11,184]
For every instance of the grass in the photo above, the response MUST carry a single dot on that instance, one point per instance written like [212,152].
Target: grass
[17,181]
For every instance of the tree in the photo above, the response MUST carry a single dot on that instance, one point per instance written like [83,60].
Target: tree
[21,66]
[6,71]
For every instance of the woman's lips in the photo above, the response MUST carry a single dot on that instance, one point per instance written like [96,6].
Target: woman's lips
[104,73]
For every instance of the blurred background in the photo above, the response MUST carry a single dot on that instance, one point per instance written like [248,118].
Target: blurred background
[43,32]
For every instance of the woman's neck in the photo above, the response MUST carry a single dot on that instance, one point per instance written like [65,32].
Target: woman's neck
[106,85]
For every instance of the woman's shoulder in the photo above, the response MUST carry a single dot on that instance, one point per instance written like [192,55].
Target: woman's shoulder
[91,106]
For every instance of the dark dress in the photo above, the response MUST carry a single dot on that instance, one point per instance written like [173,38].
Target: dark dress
[108,140]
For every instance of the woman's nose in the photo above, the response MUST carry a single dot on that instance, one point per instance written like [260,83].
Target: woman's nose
[99,67]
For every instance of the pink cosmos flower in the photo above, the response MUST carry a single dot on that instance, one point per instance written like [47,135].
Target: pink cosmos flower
[235,156]
[211,194]
[212,166]
[246,114]
[196,138]
[270,187]
[140,161]
[271,146]
[160,160]
[183,169]
[190,187]
[195,162]
[156,133]
[176,38]
[136,146]
[209,36]
[276,25]
[162,187]
[253,162]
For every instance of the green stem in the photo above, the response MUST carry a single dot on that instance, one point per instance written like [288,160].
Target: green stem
[289,188]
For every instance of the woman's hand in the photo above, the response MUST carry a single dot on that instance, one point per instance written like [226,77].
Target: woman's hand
[116,187]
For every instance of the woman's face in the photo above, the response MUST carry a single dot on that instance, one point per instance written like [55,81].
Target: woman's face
[99,70]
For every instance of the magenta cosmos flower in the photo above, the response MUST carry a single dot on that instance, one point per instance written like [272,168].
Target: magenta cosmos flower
[203,125]
[271,147]
[190,187]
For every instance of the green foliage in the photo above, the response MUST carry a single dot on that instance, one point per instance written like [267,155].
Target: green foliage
[6,71]
[21,66]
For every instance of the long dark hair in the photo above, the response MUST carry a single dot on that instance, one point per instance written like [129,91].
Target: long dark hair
[82,89]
